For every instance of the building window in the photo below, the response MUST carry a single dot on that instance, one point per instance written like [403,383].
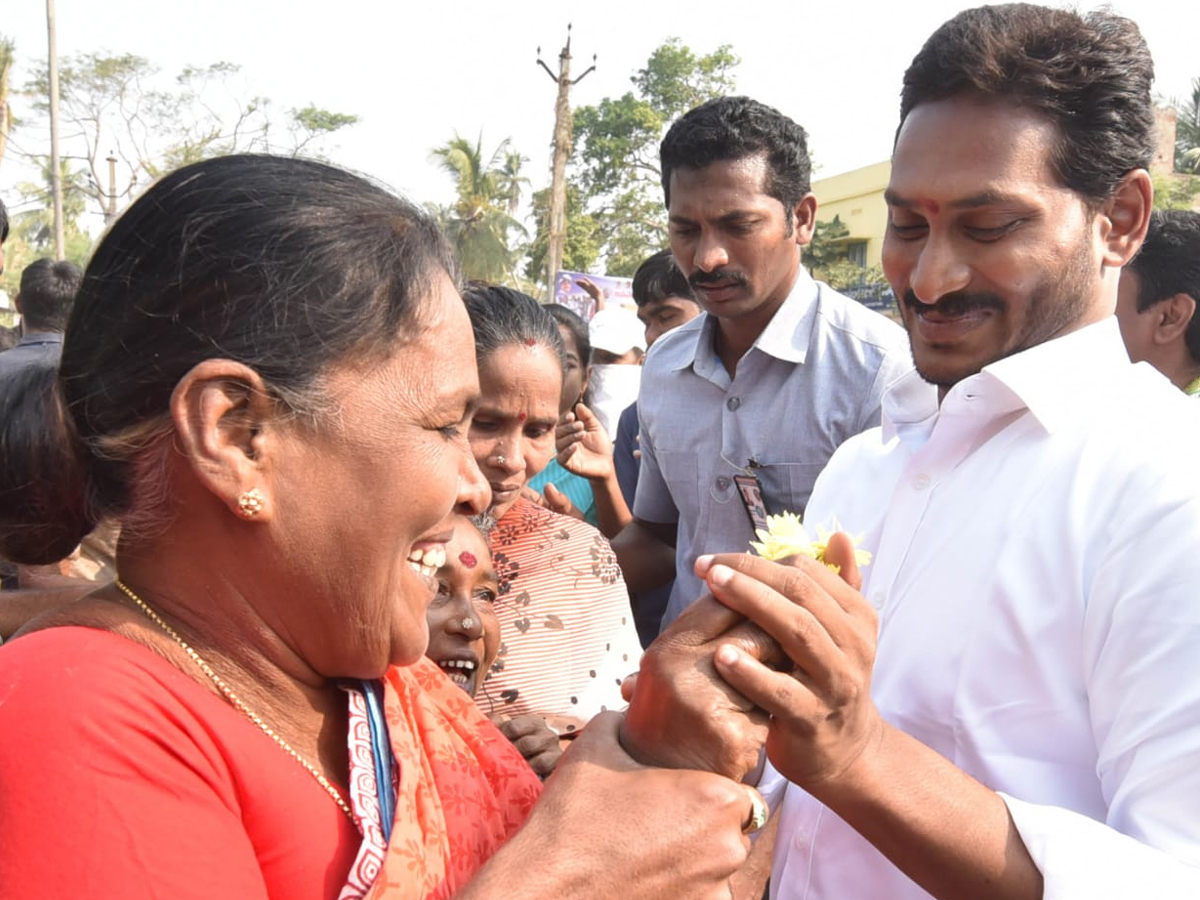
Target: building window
[856,252]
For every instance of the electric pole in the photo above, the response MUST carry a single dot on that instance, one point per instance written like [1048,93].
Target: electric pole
[110,206]
[562,150]
[55,165]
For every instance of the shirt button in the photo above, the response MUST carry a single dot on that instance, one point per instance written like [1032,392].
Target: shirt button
[921,482]
[877,599]
[733,403]
[800,840]
[722,483]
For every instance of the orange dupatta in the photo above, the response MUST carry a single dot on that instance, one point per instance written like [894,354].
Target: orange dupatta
[463,788]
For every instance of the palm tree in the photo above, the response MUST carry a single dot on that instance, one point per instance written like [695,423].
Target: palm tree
[479,223]
[7,52]
[1187,132]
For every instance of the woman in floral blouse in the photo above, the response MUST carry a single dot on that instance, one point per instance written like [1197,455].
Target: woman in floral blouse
[567,635]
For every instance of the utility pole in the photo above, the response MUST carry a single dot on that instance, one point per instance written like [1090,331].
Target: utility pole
[562,150]
[55,165]
[110,207]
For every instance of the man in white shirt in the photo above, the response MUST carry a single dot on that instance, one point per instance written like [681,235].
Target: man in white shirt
[1156,301]
[1011,706]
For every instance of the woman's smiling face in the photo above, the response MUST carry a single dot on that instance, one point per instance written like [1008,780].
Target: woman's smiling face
[464,633]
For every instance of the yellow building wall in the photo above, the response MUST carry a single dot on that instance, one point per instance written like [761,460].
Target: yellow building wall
[857,197]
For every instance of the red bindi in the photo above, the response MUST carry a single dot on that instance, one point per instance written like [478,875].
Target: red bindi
[468,559]
[521,417]
[930,206]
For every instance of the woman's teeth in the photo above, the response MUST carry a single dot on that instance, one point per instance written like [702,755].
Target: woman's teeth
[426,562]
[458,670]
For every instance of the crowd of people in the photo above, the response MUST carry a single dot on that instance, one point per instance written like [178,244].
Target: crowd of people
[309,589]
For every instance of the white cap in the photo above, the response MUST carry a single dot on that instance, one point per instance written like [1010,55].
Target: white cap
[617,330]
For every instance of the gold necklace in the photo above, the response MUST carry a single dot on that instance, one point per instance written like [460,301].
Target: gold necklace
[234,699]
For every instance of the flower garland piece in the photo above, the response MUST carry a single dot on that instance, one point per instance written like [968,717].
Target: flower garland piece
[786,536]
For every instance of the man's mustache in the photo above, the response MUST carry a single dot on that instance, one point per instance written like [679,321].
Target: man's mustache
[700,278]
[953,305]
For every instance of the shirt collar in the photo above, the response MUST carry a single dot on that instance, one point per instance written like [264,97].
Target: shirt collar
[41,337]
[786,336]
[1053,380]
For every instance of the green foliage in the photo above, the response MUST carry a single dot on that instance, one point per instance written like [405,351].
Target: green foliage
[827,257]
[1187,131]
[479,223]
[120,105]
[32,232]
[582,246]
[616,161]
[827,245]
[842,274]
[8,53]
[1175,191]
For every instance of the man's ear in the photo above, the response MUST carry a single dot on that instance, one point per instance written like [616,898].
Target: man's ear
[1125,217]
[1173,316]
[17,304]
[223,415]
[804,219]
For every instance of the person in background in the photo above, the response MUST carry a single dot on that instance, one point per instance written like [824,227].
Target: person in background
[47,290]
[563,490]
[44,301]
[267,379]
[618,345]
[567,635]
[1157,297]
[665,301]
[464,638]
[8,336]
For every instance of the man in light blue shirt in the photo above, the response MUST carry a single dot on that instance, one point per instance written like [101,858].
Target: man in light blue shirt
[752,397]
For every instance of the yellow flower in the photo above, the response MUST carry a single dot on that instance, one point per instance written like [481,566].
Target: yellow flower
[821,544]
[785,536]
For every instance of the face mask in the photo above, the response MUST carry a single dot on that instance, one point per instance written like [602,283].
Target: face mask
[610,390]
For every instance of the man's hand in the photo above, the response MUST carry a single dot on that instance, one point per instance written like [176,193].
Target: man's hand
[584,447]
[822,715]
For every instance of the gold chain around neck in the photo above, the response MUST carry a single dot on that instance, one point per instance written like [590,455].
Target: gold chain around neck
[237,702]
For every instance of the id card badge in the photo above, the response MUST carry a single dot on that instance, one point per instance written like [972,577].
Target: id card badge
[752,499]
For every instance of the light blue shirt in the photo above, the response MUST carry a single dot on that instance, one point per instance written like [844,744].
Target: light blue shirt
[812,379]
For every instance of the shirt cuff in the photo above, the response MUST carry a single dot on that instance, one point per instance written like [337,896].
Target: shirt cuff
[1080,857]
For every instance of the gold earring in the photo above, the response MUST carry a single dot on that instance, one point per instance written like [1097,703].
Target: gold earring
[250,503]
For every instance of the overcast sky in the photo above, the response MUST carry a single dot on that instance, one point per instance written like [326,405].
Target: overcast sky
[414,77]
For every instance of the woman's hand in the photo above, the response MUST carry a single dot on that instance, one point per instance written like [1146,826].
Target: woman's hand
[584,447]
[553,500]
[534,739]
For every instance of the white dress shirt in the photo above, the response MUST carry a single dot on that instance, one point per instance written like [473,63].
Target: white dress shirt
[1036,570]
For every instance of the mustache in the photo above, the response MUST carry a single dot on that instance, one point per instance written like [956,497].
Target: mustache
[957,304]
[700,278]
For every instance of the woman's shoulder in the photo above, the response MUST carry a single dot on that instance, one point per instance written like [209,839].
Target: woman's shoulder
[92,683]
